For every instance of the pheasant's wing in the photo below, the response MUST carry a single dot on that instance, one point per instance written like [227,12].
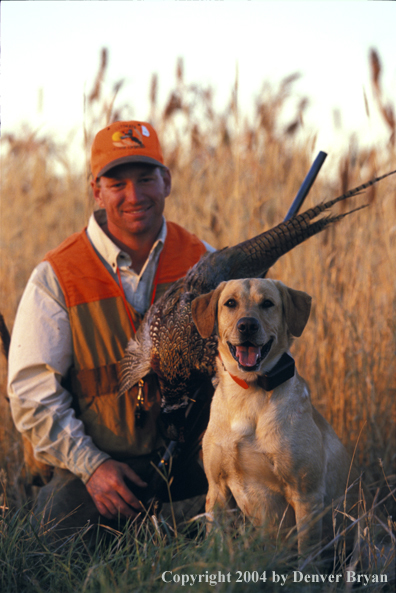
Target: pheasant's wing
[136,363]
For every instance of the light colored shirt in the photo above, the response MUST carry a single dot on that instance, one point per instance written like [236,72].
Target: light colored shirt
[41,355]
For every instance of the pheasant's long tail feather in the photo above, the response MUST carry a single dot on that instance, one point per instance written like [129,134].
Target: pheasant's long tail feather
[280,239]
[357,190]
[283,238]
[252,258]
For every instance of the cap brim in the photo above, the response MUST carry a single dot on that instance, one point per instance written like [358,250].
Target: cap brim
[129,159]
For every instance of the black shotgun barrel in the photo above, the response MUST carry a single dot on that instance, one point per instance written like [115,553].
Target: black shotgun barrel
[306,185]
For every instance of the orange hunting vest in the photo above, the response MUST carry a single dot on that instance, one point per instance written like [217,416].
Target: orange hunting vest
[101,330]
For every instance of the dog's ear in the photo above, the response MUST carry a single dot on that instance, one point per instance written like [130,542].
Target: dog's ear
[204,311]
[297,307]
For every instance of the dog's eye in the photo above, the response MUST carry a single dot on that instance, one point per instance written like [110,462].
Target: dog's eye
[231,303]
[266,304]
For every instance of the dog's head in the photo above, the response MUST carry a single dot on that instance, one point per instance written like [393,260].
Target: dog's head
[256,320]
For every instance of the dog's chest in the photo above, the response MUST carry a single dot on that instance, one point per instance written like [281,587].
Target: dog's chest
[253,427]
[250,433]
[239,416]
[243,428]
[252,415]
[251,457]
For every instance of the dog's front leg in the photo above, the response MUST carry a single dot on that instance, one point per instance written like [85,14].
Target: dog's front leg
[308,512]
[219,498]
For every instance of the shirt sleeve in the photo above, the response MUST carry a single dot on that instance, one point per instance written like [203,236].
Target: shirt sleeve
[39,359]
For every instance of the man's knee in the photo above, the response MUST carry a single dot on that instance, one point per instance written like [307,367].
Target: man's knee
[64,504]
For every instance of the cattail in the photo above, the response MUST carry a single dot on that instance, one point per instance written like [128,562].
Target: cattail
[387,111]
[95,93]
[196,143]
[153,91]
[292,128]
[344,174]
[375,65]
[208,99]
[234,95]
[366,105]
[225,135]
[180,71]
[174,104]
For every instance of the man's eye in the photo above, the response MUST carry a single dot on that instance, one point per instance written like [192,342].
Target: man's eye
[231,303]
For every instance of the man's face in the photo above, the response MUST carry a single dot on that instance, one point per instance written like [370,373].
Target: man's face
[134,199]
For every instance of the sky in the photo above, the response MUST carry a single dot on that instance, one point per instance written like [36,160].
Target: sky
[50,55]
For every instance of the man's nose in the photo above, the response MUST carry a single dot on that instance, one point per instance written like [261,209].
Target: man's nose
[132,190]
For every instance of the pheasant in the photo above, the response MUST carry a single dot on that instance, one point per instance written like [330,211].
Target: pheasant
[167,341]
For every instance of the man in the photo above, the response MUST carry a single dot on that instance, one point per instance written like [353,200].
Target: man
[81,306]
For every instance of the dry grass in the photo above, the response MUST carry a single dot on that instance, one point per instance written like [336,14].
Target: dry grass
[231,180]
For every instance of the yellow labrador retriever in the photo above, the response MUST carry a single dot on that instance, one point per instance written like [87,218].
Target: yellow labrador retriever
[267,450]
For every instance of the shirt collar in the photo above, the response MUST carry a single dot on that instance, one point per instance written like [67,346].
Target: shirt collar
[108,250]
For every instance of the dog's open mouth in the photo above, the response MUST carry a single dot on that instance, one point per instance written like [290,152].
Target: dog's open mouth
[248,355]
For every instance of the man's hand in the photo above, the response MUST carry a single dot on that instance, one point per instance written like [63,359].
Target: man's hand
[109,491]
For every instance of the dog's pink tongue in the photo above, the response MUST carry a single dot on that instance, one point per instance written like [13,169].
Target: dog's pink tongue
[247,355]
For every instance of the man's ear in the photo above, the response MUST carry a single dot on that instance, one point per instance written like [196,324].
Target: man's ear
[96,192]
[204,311]
[166,176]
[296,306]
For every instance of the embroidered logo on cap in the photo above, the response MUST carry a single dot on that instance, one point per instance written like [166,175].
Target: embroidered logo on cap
[132,137]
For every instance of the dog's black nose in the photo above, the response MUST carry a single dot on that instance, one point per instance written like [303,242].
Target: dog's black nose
[247,326]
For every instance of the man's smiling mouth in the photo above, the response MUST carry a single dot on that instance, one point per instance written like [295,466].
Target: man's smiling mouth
[139,210]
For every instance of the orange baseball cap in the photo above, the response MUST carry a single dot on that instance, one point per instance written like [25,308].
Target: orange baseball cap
[125,142]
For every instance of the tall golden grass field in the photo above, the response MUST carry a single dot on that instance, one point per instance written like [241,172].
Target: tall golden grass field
[232,179]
